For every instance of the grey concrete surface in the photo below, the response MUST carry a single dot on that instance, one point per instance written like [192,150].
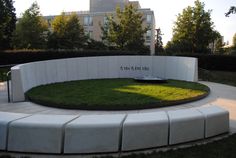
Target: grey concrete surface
[5,119]
[145,130]
[38,134]
[94,134]
[185,125]
[216,120]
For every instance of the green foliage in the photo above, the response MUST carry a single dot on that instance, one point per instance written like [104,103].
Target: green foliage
[7,23]
[193,30]
[96,45]
[125,31]
[219,44]
[232,10]
[25,56]
[159,44]
[67,33]
[31,30]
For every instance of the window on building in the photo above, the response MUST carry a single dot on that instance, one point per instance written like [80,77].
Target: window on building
[88,21]
[148,35]
[89,34]
[149,18]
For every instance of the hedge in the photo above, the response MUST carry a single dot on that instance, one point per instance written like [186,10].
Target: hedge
[205,61]
[215,62]
[25,56]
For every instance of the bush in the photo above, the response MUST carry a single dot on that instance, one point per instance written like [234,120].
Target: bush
[215,62]
[25,56]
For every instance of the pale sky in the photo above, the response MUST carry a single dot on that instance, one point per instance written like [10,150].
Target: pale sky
[165,12]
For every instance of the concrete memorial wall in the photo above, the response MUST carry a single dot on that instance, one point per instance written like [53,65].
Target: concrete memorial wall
[27,76]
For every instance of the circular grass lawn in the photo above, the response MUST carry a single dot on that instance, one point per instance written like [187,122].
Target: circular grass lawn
[116,94]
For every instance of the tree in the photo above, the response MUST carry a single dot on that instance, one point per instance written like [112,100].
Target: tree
[234,41]
[31,30]
[159,44]
[125,31]
[7,23]
[232,10]
[67,33]
[193,29]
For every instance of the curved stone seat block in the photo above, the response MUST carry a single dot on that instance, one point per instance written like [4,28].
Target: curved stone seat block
[145,130]
[216,120]
[93,134]
[38,133]
[185,125]
[5,119]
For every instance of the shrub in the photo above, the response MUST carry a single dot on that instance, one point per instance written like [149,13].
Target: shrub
[24,56]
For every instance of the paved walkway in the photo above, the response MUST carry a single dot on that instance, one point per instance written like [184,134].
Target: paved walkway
[221,95]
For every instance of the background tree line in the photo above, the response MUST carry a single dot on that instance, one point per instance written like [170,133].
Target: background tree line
[32,31]
[193,31]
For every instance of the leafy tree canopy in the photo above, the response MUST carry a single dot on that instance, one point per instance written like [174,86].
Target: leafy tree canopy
[234,41]
[159,44]
[7,23]
[67,33]
[232,10]
[124,31]
[193,29]
[31,29]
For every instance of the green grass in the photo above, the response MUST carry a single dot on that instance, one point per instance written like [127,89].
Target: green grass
[116,94]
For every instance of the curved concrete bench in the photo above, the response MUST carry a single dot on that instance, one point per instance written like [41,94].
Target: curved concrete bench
[145,130]
[38,133]
[27,76]
[71,134]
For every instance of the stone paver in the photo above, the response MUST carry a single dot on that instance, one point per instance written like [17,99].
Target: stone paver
[221,95]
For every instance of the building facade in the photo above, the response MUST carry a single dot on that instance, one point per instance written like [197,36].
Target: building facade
[96,17]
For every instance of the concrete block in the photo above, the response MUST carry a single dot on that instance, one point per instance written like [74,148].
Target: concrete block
[182,69]
[113,67]
[51,71]
[216,120]
[93,134]
[17,84]
[24,77]
[92,64]
[146,65]
[185,125]
[61,70]
[171,67]
[38,73]
[158,66]
[145,130]
[30,76]
[38,134]
[102,68]
[190,63]
[82,68]
[5,119]
[71,69]
[134,64]
[124,66]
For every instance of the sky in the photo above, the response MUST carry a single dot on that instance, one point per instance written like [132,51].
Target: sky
[166,12]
